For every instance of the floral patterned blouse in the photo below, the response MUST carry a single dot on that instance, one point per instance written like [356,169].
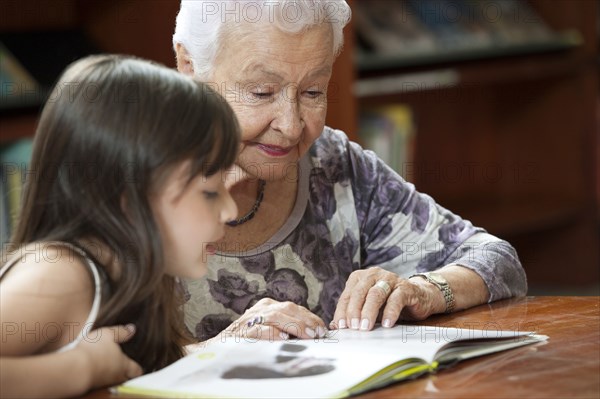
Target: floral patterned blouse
[351,212]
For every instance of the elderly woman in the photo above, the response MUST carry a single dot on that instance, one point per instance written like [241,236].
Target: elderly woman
[327,235]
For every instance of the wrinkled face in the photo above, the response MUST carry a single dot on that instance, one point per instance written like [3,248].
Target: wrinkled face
[276,83]
[191,218]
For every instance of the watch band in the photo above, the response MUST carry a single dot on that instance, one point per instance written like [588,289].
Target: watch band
[439,281]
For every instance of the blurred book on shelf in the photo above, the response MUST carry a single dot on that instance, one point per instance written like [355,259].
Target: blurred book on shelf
[14,164]
[32,61]
[389,131]
[17,86]
[396,33]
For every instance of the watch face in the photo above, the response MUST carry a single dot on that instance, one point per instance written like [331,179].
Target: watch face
[437,278]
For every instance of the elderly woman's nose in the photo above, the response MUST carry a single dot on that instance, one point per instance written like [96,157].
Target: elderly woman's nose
[288,119]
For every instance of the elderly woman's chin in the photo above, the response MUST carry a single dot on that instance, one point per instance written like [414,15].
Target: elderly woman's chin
[271,168]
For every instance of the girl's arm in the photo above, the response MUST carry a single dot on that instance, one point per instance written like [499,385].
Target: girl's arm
[91,364]
[45,300]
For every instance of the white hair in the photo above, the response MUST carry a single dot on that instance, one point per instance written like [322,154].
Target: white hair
[200,23]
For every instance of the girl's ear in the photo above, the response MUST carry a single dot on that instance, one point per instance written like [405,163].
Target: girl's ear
[184,61]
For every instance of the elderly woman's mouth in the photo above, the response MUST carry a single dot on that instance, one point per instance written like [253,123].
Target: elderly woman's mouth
[273,150]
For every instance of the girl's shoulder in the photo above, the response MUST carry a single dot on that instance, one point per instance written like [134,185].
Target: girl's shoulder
[41,262]
[46,296]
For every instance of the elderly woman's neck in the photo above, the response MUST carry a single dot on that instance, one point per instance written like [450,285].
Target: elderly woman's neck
[279,194]
[248,189]
[273,212]
[245,188]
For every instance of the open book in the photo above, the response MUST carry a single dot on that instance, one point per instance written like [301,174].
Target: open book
[346,363]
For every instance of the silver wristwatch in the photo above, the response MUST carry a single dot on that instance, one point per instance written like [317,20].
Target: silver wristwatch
[439,281]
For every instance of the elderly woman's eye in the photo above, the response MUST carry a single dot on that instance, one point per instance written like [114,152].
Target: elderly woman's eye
[262,94]
[314,93]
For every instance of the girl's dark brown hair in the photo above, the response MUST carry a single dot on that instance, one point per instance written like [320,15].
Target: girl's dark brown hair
[109,132]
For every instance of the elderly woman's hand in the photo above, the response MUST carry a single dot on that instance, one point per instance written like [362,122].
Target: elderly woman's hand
[273,320]
[375,294]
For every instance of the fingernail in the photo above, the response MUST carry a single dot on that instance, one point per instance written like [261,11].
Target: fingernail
[354,324]
[342,324]
[321,332]
[387,323]
[130,328]
[310,332]
[364,324]
[284,336]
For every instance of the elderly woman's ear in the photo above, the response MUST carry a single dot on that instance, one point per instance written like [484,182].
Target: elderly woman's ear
[184,61]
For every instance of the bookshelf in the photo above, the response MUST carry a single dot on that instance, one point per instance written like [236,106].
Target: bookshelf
[508,137]
[139,27]
[510,141]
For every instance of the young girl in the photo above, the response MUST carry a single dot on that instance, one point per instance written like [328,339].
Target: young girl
[124,194]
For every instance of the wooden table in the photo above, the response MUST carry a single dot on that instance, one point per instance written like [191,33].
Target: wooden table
[568,365]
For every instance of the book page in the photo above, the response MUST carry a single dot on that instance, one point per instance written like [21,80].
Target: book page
[263,369]
[331,367]
[423,342]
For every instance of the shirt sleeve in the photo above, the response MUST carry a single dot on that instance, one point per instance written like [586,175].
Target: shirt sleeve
[405,231]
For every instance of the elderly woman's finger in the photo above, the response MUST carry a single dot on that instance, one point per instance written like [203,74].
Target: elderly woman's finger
[364,295]
[355,304]
[262,332]
[295,320]
[377,296]
[271,320]
[404,295]
[283,331]
[340,317]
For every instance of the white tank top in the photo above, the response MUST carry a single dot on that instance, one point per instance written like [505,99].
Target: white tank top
[97,291]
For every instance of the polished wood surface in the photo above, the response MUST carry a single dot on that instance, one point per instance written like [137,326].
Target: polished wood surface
[568,365]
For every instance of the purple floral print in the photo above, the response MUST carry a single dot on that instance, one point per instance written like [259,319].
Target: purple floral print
[287,285]
[364,221]
[211,325]
[233,291]
[321,197]
[263,264]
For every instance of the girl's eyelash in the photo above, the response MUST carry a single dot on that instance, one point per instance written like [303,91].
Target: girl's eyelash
[210,194]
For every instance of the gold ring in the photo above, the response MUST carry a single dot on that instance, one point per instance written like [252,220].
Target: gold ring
[384,286]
